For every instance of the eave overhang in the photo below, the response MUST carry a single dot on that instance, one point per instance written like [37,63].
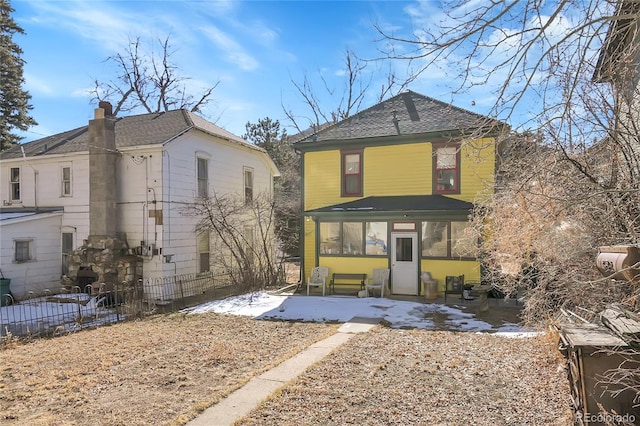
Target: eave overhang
[399,206]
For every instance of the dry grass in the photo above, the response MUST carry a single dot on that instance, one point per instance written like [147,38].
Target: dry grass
[417,377]
[159,371]
[164,370]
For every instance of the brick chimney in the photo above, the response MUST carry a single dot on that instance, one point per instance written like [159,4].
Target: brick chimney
[102,173]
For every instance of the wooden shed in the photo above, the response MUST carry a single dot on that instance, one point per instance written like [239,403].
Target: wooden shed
[601,367]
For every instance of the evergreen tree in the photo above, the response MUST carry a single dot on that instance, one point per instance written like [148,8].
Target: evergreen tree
[268,135]
[14,101]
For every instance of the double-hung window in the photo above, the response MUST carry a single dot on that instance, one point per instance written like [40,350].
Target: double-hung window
[352,174]
[66,181]
[248,185]
[203,177]
[204,264]
[14,182]
[446,170]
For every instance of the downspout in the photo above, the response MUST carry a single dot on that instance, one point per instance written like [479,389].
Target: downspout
[145,225]
[35,179]
[302,221]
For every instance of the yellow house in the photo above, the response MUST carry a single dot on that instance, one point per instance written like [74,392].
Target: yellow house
[393,187]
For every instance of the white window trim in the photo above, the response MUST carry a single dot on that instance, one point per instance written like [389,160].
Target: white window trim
[201,155]
[199,253]
[246,169]
[11,183]
[62,167]
[32,249]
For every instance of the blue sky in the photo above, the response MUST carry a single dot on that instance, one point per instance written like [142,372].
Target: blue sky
[254,48]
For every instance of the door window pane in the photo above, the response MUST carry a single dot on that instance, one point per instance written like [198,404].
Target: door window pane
[67,248]
[404,249]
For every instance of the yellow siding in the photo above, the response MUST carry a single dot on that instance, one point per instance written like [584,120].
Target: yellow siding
[398,170]
[439,269]
[309,248]
[353,265]
[321,179]
[477,165]
[394,170]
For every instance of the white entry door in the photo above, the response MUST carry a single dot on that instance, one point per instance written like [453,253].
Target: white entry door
[404,263]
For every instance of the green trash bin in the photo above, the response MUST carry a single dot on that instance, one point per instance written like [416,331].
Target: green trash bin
[4,291]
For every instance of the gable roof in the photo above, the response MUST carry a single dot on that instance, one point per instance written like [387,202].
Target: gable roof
[399,203]
[408,113]
[134,130]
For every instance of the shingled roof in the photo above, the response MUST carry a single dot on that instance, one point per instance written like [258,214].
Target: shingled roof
[135,130]
[399,203]
[408,113]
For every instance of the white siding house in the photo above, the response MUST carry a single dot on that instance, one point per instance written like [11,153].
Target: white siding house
[31,251]
[162,159]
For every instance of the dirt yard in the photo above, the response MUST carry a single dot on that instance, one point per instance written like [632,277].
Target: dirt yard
[417,377]
[159,371]
[164,370]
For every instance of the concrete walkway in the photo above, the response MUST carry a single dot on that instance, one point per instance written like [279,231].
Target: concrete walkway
[240,403]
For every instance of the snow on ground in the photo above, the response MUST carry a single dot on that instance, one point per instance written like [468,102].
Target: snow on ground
[60,313]
[47,314]
[397,313]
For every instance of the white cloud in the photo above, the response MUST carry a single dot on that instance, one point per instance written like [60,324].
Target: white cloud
[83,93]
[35,85]
[233,50]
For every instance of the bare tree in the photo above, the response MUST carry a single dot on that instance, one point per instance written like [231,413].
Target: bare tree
[244,235]
[342,101]
[573,183]
[268,134]
[149,81]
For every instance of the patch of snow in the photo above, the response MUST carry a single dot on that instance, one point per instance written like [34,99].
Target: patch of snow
[396,313]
